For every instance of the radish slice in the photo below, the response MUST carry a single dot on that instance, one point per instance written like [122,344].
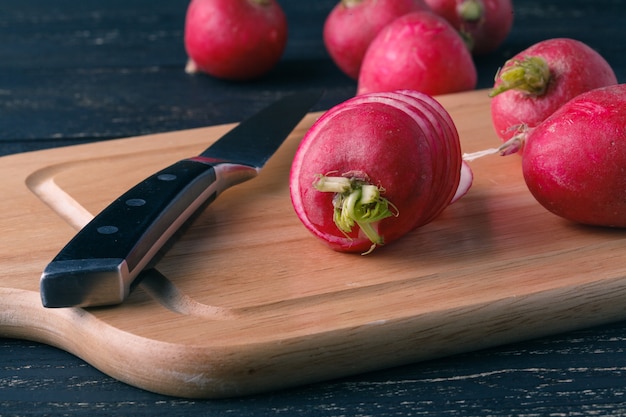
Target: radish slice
[467,178]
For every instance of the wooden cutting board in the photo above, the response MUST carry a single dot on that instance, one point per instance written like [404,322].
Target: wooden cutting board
[249,301]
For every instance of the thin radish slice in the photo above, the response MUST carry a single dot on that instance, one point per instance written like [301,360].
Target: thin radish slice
[467,178]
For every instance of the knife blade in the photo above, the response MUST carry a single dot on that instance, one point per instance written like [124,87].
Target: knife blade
[101,263]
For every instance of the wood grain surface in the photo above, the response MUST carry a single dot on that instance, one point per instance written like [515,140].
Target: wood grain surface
[247,295]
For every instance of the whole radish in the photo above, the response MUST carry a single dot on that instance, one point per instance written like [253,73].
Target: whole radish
[574,163]
[234,39]
[352,25]
[375,167]
[484,24]
[537,81]
[418,51]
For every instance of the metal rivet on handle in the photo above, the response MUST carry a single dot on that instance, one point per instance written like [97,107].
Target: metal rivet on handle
[107,230]
[135,202]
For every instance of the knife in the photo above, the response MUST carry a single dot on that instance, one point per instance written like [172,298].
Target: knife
[103,261]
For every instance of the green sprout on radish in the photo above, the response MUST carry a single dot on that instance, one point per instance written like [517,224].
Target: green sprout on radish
[356,201]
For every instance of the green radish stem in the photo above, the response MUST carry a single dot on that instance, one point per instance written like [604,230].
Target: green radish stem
[471,10]
[356,201]
[530,75]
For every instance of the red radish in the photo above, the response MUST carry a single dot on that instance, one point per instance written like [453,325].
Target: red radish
[375,167]
[574,162]
[353,24]
[537,81]
[234,39]
[484,24]
[418,51]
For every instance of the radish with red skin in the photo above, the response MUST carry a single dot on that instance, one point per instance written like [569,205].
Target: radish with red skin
[574,163]
[352,25]
[234,39]
[485,24]
[418,51]
[375,167]
[539,80]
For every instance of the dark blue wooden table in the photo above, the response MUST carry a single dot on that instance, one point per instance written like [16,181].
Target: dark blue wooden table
[82,71]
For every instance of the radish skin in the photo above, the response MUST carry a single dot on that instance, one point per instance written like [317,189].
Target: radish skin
[419,51]
[574,162]
[234,39]
[351,26]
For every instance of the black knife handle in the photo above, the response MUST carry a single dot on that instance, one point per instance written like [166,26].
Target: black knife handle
[106,255]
